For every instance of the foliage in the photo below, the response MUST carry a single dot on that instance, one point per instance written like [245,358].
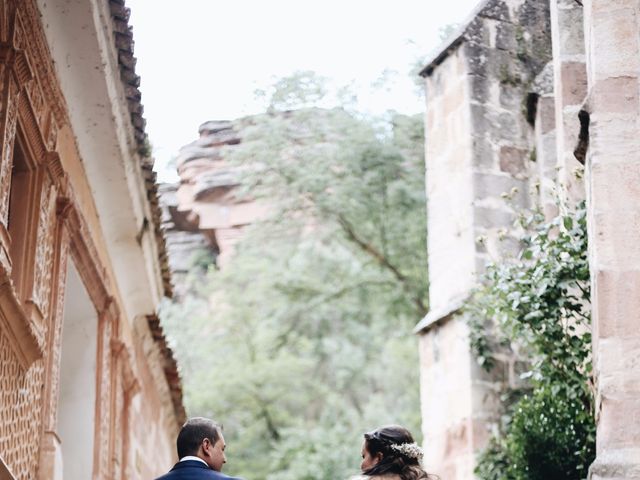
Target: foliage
[538,306]
[303,341]
[302,89]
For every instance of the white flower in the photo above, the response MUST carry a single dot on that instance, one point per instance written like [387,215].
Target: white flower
[411,450]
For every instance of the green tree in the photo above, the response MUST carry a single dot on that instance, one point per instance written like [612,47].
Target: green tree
[304,340]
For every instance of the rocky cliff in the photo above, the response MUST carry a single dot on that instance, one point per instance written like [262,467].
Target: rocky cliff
[203,216]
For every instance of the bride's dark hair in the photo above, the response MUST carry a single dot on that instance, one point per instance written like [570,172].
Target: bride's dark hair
[393,461]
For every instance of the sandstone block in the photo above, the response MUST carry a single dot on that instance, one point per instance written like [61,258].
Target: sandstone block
[616,95]
[616,464]
[616,240]
[546,158]
[618,308]
[543,83]
[453,99]
[567,26]
[614,42]
[534,47]
[574,82]
[480,124]
[546,114]
[604,6]
[494,186]
[510,127]
[479,88]
[511,97]
[492,217]
[498,125]
[619,422]
[483,155]
[615,184]
[513,161]
[476,56]
[615,138]
[506,37]
[618,361]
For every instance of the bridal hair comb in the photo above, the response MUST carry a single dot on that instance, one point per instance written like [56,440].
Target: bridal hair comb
[411,450]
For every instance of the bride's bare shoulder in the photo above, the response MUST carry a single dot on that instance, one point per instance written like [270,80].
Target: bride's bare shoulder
[376,477]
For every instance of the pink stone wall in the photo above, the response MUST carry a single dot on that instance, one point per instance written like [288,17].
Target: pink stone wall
[613,70]
[446,398]
[449,178]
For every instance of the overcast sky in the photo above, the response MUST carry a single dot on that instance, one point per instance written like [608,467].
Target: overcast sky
[203,59]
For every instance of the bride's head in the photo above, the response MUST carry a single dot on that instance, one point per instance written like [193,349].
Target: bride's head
[391,450]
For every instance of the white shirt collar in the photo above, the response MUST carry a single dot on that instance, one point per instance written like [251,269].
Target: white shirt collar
[191,457]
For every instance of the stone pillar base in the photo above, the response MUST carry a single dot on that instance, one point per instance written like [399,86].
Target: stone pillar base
[616,464]
[50,467]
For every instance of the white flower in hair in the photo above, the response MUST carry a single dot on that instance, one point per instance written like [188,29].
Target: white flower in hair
[411,450]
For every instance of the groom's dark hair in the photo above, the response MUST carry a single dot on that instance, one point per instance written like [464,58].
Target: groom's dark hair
[193,432]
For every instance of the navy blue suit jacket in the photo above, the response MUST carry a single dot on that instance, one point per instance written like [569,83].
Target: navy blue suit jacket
[194,470]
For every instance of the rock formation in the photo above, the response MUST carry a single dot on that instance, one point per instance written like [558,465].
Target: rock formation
[202,214]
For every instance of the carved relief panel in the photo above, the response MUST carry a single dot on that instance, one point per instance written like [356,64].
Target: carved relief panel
[8,120]
[126,386]
[104,413]
[39,301]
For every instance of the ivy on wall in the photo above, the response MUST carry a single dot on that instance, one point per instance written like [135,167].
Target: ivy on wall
[538,308]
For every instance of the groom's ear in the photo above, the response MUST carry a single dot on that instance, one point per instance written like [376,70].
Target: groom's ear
[206,443]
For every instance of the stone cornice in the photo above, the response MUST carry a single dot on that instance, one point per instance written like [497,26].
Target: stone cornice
[440,315]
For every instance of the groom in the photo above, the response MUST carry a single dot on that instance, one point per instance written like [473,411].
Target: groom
[201,452]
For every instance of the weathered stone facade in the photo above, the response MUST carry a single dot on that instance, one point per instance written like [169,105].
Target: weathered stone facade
[88,386]
[524,95]
[481,91]
[612,34]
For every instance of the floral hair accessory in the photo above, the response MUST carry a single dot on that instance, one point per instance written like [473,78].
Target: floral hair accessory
[411,450]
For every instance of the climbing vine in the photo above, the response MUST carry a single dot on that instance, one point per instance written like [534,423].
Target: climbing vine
[538,309]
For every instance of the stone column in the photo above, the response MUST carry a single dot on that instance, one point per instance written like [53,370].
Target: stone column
[570,85]
[546,150]
[613,198]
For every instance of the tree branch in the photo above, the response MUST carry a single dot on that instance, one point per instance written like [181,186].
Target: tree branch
[383,261]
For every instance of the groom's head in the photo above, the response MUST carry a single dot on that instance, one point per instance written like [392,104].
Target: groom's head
[202,438]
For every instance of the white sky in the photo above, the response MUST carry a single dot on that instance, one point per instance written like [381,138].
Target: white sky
[203,59]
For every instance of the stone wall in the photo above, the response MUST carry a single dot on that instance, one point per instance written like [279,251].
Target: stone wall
[531,121]
[445,389]
[449,176]
[482,91]
[613,202]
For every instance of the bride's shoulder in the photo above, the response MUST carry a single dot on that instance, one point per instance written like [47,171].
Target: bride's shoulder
[376,477]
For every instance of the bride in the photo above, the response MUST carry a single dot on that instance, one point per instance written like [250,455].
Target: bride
[390,453]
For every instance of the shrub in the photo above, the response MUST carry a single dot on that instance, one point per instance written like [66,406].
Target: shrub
[539,306]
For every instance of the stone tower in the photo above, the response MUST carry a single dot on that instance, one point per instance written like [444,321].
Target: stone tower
[482,89]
